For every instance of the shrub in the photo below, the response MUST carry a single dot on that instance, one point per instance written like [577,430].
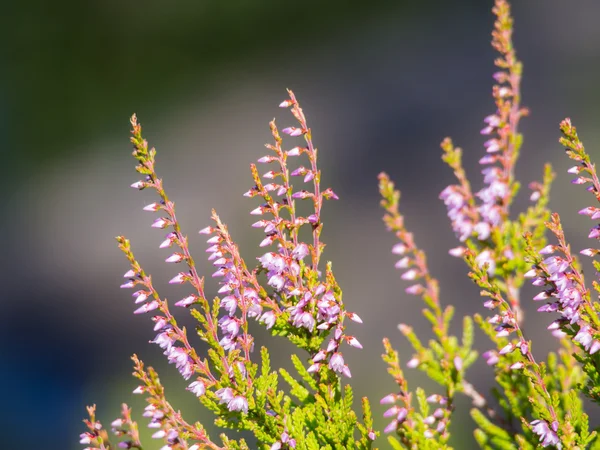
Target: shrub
[293,295]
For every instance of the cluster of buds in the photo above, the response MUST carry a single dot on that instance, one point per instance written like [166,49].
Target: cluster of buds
[438,420]
[547,434]
[332,353]
[285,441]
[399,413]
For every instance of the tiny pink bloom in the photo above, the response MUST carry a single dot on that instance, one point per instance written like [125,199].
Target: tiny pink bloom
[161,222]
[399,249]
[352,341]
[160,322]
[409,275]
[147,307]
[175,258]
[391,427]
[388,399]
[314,368]
[187,301]
[413,363]
[225,395]
[301,194]
[507,349]
[207,230]
[268,319]
[346,371]
[180,278]
[517,366]
[336,363]
[129,284]
[295,151]
[153,207]
[139,185]
[458,363]
[457,251]
[531,273]
[198,388]
[328,194]
[403,263]
[129,274]
[392,412]
[415,289]
[535,196]
[354,317]
[266,159]
[117,423]
[140,296]
[293,131]
[286,104]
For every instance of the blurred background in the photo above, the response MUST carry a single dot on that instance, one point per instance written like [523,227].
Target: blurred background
[381,84]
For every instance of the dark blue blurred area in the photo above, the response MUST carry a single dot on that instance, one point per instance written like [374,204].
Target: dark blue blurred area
[381,84]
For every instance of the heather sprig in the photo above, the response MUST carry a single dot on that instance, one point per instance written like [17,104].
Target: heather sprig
[444,360]
[559,273]
[298,301]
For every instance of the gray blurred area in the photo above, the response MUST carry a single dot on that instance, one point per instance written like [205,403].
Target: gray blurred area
[381,84]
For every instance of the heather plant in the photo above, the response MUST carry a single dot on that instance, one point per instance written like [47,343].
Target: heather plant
[291,293]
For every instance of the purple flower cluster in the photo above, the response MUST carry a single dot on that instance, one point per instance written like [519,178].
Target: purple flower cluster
[168,334]
[459,211]
[285,439]
[565,286]
[547,435]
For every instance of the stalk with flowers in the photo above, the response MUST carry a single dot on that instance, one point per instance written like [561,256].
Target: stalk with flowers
[292,294]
